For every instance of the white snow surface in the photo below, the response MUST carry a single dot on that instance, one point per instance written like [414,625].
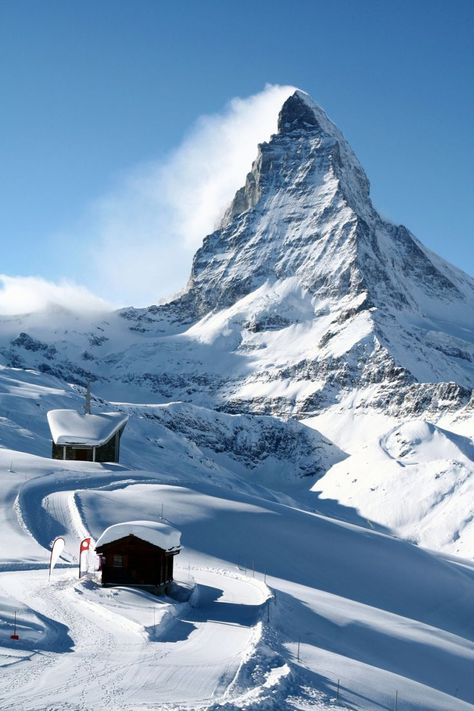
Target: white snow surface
[414,477]
[269,574]
[74,427]
[155,532]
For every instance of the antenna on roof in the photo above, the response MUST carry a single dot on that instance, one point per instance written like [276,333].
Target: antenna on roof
[87,404]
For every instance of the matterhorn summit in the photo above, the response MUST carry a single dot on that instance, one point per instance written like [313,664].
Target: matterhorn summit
[304,297]
[321,294]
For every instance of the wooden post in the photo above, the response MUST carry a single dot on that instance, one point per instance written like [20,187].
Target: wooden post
[337,692]
[87,403]
[14,635]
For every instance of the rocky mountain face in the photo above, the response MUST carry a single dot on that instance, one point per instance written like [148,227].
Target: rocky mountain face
[303,298]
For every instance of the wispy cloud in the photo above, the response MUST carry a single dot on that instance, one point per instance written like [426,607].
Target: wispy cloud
[22,295]
[144,233]
[135,244]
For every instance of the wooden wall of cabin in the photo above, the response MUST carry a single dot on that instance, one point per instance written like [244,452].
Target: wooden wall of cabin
[108,452]
[131,561]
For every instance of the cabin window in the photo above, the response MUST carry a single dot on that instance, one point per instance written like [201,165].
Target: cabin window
[81,454]
[117,560]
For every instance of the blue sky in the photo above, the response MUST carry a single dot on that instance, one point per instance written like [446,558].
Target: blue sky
[95,93]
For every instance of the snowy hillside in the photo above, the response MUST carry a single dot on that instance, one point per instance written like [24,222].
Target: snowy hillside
[370,614]
[413,477]
[303,413]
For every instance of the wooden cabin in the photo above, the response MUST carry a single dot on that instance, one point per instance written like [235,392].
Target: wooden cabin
[138,553]
[86,437]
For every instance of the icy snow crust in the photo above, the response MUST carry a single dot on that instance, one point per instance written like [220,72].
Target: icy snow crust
[73,427]
[158,534]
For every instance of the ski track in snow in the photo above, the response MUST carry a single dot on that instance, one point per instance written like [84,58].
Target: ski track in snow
[115,665]
[336,583]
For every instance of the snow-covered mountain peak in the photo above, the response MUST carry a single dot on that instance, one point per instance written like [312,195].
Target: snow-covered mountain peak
[300,113]
[305,213]
[302,298]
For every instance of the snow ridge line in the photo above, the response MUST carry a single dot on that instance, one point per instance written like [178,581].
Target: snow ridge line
[259,654]
[40,488]
[19,513]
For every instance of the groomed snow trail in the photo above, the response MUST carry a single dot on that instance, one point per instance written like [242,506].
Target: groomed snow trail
[338,590]
[92,656]
[115,665]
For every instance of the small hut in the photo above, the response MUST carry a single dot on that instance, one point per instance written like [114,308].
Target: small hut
[86,437]
[138,553]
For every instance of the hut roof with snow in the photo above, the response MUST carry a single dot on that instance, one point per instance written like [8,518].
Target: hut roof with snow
[157,533]
[85,436]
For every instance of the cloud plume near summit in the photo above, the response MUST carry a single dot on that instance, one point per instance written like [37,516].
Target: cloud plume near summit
[134,245]
[158,216]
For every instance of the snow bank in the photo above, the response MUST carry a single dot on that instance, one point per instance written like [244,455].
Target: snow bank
[158,534]
[415,478]
[72,427]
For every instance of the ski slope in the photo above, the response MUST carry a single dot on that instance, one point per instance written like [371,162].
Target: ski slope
[288,602]
[374,612]
[414,477]
[117,662]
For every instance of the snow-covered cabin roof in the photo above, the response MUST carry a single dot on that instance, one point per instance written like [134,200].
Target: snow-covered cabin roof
[155,532]
[72,427]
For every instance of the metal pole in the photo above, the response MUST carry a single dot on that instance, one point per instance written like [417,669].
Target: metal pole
[396,701]
[337,692]
[298,654]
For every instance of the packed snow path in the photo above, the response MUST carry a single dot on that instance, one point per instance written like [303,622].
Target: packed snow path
[338,591]
[114,664]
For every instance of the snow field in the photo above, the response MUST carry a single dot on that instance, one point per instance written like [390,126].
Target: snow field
[415,478]
[343,590]
[365,608]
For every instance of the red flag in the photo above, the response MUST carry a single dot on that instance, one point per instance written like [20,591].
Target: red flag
[83,550]
[85,545]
